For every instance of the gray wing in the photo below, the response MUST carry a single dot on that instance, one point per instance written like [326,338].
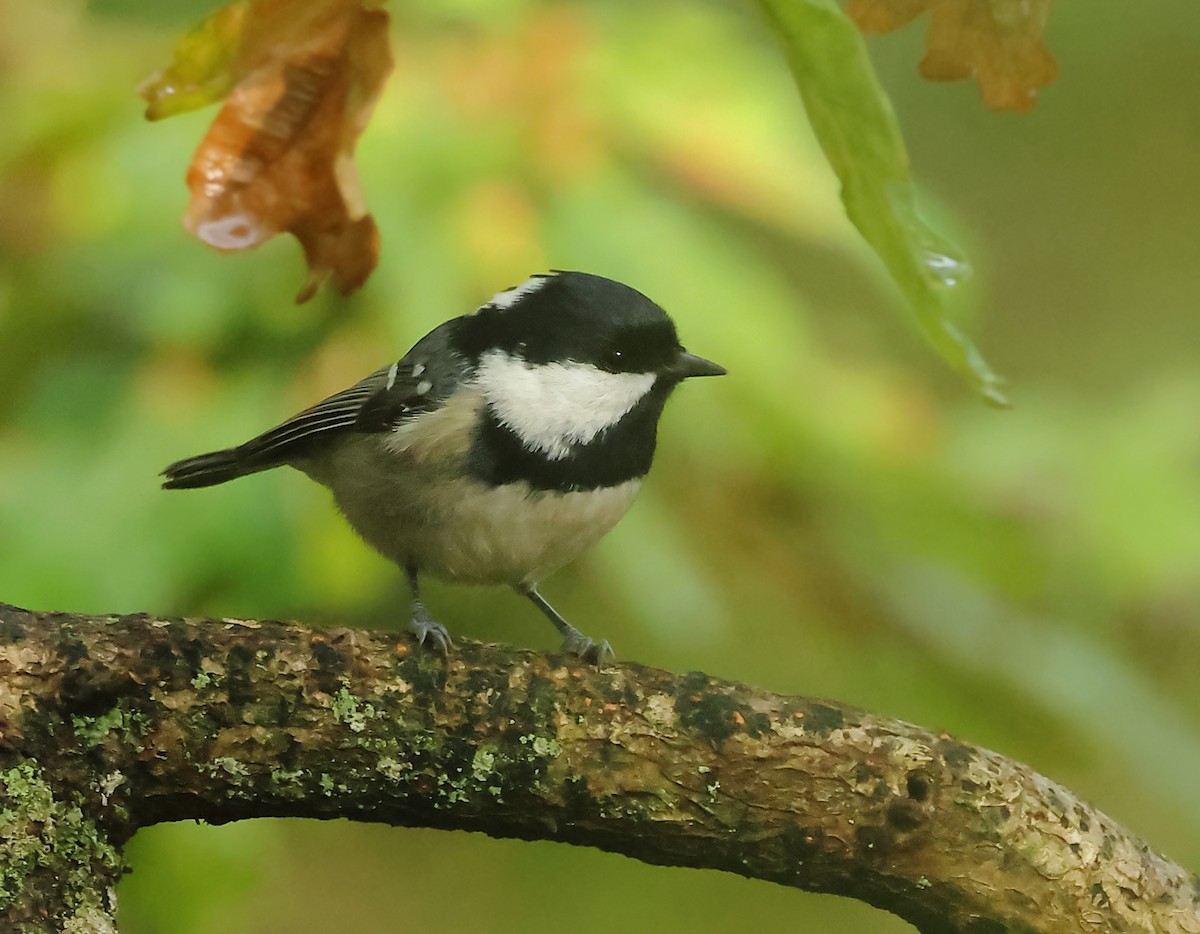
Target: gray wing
[418,382]
[339,412]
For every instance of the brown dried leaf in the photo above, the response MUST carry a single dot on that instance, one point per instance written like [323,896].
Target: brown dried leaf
[279,155]
[997,42]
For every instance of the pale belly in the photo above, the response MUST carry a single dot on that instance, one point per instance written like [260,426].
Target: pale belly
[459,530]
[509,534]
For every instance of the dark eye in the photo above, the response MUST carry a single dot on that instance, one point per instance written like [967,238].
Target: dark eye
[613,359]
[639,349]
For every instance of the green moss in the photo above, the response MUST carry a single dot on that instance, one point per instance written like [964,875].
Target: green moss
[547,746]
[452,789]
[543,746]
[90,921]
[95,730]
[40,832]
[483,764]
[231,767]
[392,769]
[380,745]
[108,785]
[347,709]
[289,782]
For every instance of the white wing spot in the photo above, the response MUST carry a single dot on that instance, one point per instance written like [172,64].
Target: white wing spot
[418,369]
[423,387]
[392,371]
[553,407]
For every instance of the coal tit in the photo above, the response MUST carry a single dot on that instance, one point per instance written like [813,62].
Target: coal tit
[499,448]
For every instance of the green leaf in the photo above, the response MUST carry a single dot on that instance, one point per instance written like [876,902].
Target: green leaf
[855,124]
[201,70]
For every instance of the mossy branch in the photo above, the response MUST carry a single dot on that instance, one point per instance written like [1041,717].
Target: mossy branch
[114,723]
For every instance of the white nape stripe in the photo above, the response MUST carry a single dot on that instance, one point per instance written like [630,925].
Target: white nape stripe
[510,297]
[553,407]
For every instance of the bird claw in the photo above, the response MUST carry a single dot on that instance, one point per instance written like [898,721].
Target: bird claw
[595,653]
[425,627]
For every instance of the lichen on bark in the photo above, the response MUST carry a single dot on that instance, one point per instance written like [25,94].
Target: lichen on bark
[48,841]
[109,724]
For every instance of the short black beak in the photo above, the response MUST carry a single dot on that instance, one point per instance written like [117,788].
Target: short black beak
[688,364]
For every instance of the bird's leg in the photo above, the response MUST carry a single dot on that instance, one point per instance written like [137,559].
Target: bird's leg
[422,625]
[574,641]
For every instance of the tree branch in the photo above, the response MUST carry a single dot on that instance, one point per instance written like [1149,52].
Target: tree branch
[108,724]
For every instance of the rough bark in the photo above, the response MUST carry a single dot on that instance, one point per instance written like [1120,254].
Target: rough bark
[108,724]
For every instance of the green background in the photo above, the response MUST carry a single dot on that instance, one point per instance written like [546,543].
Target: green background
[840,516]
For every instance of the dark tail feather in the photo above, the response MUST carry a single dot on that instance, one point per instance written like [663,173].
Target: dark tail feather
[209,469]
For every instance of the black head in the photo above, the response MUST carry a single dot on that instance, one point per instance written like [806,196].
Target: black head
[574,370]
[577,317]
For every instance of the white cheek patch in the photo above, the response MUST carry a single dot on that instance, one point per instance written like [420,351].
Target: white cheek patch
[510,297]
[554,406]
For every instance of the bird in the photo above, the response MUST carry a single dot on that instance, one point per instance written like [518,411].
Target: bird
[504,444]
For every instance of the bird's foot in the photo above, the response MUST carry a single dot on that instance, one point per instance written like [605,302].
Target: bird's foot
[591,651]
[425,627]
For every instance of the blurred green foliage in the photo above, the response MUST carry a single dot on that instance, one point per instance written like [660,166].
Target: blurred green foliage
[837,517]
